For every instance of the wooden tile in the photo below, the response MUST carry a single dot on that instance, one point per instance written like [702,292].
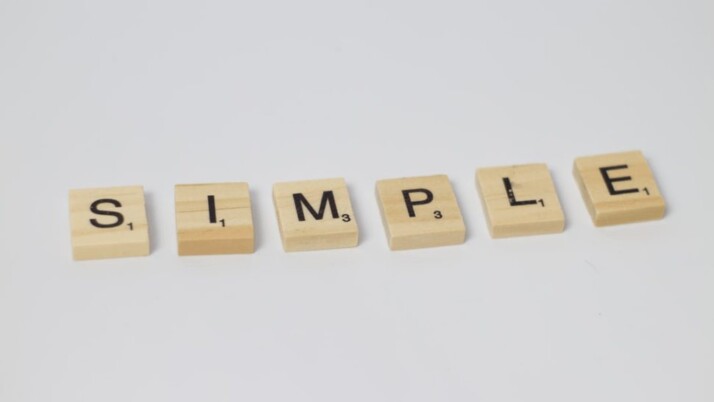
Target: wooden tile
[618,188]
[315,215]
[520,200]
[214,218]
[108,223]
[420,212]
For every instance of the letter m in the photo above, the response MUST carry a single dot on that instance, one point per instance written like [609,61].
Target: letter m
[328,197]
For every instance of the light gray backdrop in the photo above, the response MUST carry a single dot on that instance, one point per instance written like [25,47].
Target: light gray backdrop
[157,93]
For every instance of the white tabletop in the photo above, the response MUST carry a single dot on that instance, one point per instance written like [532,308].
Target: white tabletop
[165,92]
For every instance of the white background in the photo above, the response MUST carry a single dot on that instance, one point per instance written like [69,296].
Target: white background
[164,92]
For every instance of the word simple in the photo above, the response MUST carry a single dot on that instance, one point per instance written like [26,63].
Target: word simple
[417,212]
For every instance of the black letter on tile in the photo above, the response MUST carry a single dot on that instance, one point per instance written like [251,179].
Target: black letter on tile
[609,180]
[95,210]
[212,209]
[512,197]
[410,203]
[327,197]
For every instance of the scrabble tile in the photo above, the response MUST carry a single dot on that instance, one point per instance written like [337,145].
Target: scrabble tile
[420,212]
[108,223]
[315,215]
[618,188]
[520,200]
[214,218]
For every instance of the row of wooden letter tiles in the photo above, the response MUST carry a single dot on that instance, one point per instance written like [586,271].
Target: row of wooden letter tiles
[317,214]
